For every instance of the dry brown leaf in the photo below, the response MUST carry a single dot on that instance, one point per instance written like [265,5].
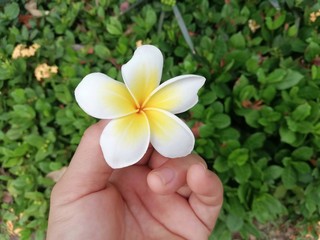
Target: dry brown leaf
[32,8]
[7,198]
[196,129]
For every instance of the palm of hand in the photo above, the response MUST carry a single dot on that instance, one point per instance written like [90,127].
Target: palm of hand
[93,201]
[129,209]
[153,215]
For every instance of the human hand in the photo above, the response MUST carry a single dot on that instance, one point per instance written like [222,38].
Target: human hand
[158,198]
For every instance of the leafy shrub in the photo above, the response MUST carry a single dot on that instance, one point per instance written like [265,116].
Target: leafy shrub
[258,115]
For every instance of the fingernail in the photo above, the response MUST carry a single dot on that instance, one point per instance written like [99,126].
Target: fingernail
[202,168]
[166,175]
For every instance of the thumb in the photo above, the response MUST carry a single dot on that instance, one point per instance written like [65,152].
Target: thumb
[170,175]
[88,172]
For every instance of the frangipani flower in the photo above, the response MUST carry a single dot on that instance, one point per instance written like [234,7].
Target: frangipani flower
[142,112]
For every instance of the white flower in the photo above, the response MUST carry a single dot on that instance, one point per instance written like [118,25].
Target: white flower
[142,112]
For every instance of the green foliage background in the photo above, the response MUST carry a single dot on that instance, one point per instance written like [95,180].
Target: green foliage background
[259,110]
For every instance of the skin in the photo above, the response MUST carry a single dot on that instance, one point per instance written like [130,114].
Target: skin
[158,198]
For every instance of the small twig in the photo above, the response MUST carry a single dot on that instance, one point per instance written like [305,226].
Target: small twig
[161,19]
[183,28]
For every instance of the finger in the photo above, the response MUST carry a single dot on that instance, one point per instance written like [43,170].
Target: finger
[156,160]
[145,159]
[207,194]
[171,175]
[88,171]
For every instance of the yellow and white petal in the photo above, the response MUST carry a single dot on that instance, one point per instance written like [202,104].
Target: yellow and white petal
[124,141]
[102,97]
[177,94]
[142,74]
[170,136]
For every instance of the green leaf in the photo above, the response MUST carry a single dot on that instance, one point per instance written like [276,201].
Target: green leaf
[289,177]
[266,208]
[41,154]
[221,121]
[100,12]
[276,76]
[34,140]
[287,135]
[12,10]
[7,70]
[292,31]
[239,156]
[312,51]
[114,26]
[236,207]
[151,18]
[228,146]
[291,79]
[21,150]
[303,153]
[277,21]
[305,127]
[102,51]
[36,196]
[301,112]
[25,33]
[220,164]
[298,45]
[209,98]
[18,95]
[311,202]
[63,93]
[238,41]
[252,64]
[14,133]
[242,192]
[11,162]
[234,223]
[229,134]
[272,172]
[301,167]
[242,173]
[315,72]
[206,130]
[280,192]
[25,112]
[248,92]
[252,117]
[197,111]
[255,141]
[44,108]
[220,49]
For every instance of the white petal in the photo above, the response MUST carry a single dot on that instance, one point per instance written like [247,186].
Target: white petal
[177,94]
[142,74]
[170,136]
[124,141]
[102,97]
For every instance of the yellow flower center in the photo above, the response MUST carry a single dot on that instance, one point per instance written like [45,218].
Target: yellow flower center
[139,109]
